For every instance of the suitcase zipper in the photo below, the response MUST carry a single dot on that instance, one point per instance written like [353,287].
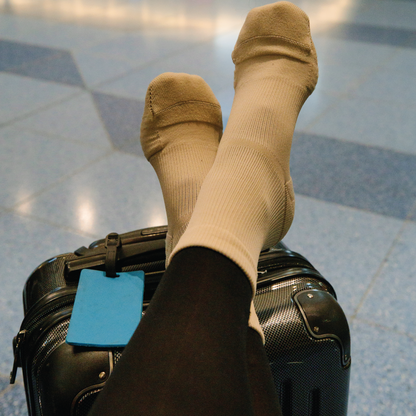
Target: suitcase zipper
[17,341]
[292,265]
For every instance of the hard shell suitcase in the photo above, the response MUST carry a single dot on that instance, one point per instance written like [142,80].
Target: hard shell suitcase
[307,334]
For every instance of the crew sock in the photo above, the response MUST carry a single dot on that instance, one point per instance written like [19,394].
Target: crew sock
[246,202]
[180,132]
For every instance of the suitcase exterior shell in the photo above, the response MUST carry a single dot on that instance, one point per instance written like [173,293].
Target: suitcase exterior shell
[307,335]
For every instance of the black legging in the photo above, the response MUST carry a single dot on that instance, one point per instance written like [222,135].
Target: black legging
[193,354]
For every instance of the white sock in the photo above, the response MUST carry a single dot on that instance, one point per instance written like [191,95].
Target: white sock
[246,202]
[180,133]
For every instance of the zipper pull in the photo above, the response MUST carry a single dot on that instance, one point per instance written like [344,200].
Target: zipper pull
[17,343]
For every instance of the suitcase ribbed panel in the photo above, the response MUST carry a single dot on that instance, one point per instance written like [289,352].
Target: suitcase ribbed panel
[85,403]
[46,346]
[146,267]
[45,279]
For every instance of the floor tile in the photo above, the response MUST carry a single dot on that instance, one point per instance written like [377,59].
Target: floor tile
[49,33]
[60,68]
[38,62]
[122,118]
[29,243]
[120,193]
[340,79]
[386,86]
[211,60]
[346,245]
[134,85]
[364,177]
[387,124]
[403,62]
[75,119]
[96,70]
[383,372]
[390,85]
[31,162]
[13,402]
[138,48]
[389,14]
[316,106]
[351,54]
[16,54]
[324,13]
[345,64]
[392,299]
[12,316]
[37,94]
[372,34]
[4,383]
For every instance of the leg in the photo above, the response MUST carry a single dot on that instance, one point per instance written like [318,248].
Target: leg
[263,391]
[188,355]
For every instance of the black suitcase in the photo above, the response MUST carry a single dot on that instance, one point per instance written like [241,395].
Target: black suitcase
[307,334]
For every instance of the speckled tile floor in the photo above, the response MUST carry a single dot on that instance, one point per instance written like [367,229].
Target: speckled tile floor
[73,77]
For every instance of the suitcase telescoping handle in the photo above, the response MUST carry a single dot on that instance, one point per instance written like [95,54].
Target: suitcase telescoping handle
[114,249]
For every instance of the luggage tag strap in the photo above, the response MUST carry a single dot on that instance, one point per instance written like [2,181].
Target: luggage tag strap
[112,243]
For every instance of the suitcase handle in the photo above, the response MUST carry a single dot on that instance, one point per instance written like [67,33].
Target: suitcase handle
[110,254]
[137,236]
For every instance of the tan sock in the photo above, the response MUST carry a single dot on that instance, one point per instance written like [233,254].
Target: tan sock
[180,133]
[246,201]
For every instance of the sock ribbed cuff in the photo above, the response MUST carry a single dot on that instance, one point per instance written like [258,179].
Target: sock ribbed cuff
[224,242]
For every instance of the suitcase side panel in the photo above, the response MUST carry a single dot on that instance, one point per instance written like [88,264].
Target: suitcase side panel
[308,372]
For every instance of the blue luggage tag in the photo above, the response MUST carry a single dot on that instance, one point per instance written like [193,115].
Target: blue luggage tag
[107,310]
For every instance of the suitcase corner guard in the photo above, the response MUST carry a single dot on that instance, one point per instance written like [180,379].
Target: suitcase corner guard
[324,318]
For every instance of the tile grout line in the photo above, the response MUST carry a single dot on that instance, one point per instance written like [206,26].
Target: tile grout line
[6,390]
[54,136]
[349,94]
[52,224]
[157,60]
[31,113]
[377,274]
[385,328]
[18,381]
[61,180]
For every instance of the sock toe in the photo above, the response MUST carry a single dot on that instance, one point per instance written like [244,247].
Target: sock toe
[276,24]
[277,30]
[173,99]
